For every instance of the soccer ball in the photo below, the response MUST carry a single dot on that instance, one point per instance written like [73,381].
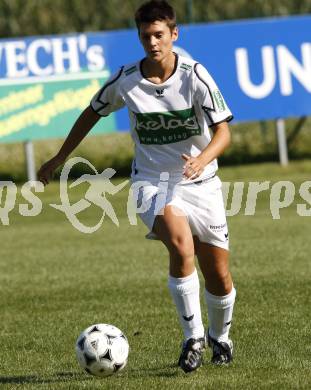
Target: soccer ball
[102,350]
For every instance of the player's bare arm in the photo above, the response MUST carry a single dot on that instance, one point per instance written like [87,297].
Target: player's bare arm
[80,129]
[194,166]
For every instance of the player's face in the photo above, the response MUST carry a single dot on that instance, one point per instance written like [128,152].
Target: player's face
[157,40]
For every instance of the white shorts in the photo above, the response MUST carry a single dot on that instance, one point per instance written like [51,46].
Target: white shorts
[202,204]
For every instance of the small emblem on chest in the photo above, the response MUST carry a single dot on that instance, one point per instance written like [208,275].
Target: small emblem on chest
[159,93]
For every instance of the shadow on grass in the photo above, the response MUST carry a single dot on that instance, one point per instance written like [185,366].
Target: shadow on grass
[57,377]
[169,371]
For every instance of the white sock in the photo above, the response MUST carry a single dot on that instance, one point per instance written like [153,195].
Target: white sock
[186,295]
[220,311]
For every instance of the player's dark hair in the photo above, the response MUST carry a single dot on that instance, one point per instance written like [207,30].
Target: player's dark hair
[156,10]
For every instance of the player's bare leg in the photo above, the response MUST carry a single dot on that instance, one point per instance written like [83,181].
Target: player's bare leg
[220,297]
[214,264]
[174,231]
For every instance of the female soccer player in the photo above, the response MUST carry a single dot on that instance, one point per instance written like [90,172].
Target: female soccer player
[173,102]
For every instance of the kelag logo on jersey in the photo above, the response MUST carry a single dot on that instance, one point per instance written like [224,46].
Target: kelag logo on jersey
[158,128]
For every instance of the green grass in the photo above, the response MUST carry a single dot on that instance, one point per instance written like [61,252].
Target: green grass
[55,281]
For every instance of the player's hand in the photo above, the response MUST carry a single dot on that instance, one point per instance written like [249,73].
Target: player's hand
[47,170]
[193,167]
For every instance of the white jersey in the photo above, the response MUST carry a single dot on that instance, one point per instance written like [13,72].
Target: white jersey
[167,119]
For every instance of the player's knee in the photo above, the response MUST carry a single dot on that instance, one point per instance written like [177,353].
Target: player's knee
[218,282]
[181,248]
[222,273]
[222,277]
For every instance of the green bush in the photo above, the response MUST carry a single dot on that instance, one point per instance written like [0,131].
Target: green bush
[251,142]
[257,142]
[37,17]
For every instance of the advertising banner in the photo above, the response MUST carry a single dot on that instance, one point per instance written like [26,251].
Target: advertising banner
[262,66]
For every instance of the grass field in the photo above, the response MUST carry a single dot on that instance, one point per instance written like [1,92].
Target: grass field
[55,281]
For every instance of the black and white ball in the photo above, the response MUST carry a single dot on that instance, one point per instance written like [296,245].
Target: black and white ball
[102,350]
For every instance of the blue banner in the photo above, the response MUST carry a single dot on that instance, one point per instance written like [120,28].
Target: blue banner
[262,66]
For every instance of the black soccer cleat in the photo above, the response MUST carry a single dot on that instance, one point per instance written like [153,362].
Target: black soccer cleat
[191,356]
[222,351]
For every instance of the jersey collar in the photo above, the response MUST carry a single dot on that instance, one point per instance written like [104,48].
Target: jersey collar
[170,80]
